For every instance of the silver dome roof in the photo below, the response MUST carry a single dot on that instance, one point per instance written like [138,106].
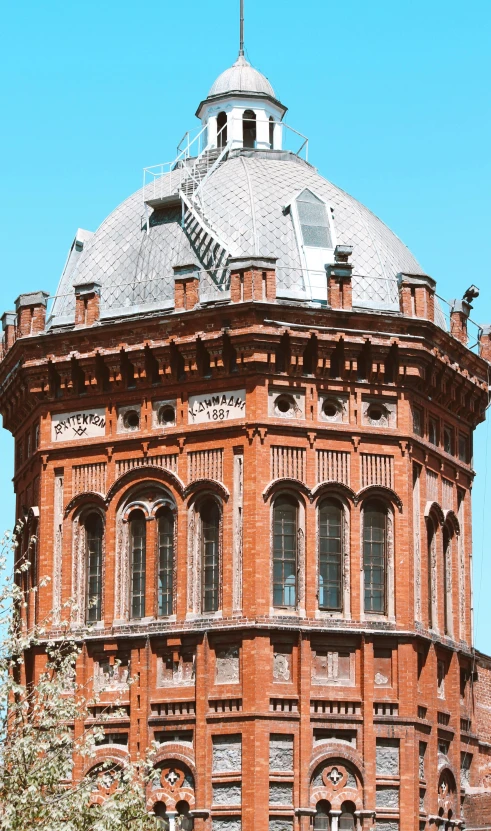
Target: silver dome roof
[244,202]
[241,77]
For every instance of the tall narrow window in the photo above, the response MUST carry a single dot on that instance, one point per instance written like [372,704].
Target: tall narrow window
[138,563]
[210,555]
[285,514]
[431,542]
[249,128]
[166,562]
[93,542]
[330,555]
[447,570]
[222,129]
[271,132]
[374,556]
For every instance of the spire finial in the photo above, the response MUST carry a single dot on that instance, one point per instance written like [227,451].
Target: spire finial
[241,45]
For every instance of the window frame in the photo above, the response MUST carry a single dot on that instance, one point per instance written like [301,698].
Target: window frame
[293,501]
[141,594]
[382,509]
[168,571]
[216,563]
[97,615]
[330,501]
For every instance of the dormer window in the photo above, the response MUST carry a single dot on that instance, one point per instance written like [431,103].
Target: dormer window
[315,235]
[314,221]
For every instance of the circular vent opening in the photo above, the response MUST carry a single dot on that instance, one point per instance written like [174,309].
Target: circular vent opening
[330,408]
[131,420]
[376,413]
[285,405]
[167,415]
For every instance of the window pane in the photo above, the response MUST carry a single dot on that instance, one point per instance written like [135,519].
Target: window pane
[166,563]
[285,553]
[210,556]
[330,554]
[374,554]
[314,221]
[93,538]
[138,558]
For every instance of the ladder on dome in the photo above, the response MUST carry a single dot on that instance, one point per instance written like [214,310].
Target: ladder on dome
[190,189]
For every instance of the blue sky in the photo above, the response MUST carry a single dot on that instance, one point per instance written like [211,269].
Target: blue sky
[394,97]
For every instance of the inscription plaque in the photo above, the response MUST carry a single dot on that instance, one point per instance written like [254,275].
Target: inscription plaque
[84,424]
[218,406]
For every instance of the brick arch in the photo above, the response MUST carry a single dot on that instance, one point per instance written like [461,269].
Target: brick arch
[380,492]
[326,489]
[118,755]
[285,484]
[165,792]
[452,520]
[435,509]
[174,750]
[86,498]
[331,750]
[145,474]
[201,486]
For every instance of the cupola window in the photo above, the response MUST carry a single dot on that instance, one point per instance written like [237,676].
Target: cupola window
[249,129]
[222,129]
[271,132]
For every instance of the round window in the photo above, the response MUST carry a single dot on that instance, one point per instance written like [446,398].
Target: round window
[330,408]
[167,415]
[285,405]
[131,420]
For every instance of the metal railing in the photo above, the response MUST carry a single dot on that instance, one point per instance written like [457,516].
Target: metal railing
[474,330]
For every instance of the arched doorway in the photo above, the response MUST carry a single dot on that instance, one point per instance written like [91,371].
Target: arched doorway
[249,129]
[321,818]
[222,129]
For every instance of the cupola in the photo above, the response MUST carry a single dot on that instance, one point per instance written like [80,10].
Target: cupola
[241,109]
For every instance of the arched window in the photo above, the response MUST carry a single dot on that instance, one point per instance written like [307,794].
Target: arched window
[249,128]
[285,532]
[447,580]
[271,132]
[94,530]
[166,562]
[374,557]
[330,555]
[138,563]
[222,129]
[210,555]
[347,818]
[321,817]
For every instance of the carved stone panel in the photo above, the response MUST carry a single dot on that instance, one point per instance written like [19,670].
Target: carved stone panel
[382,667]
[280,793]
[227,666]
[280,752]
[229,793]
[280,824]
[387,825]
[387,757]
[226,824]
[111,677]
[282,666]
[422,751]
[333,667]
[387,797]
[176,671]
[227,753]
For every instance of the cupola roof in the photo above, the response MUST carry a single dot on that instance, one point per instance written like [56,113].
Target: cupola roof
[241,77]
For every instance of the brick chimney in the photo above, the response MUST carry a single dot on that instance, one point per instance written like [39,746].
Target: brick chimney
[31,313]
[459,314]
[9,320]
[417,295]
[186,286]
[252,278]
[485,343]
[87,303]
[339,274]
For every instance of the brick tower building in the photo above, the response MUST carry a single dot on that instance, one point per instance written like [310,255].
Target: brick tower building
[243,439]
